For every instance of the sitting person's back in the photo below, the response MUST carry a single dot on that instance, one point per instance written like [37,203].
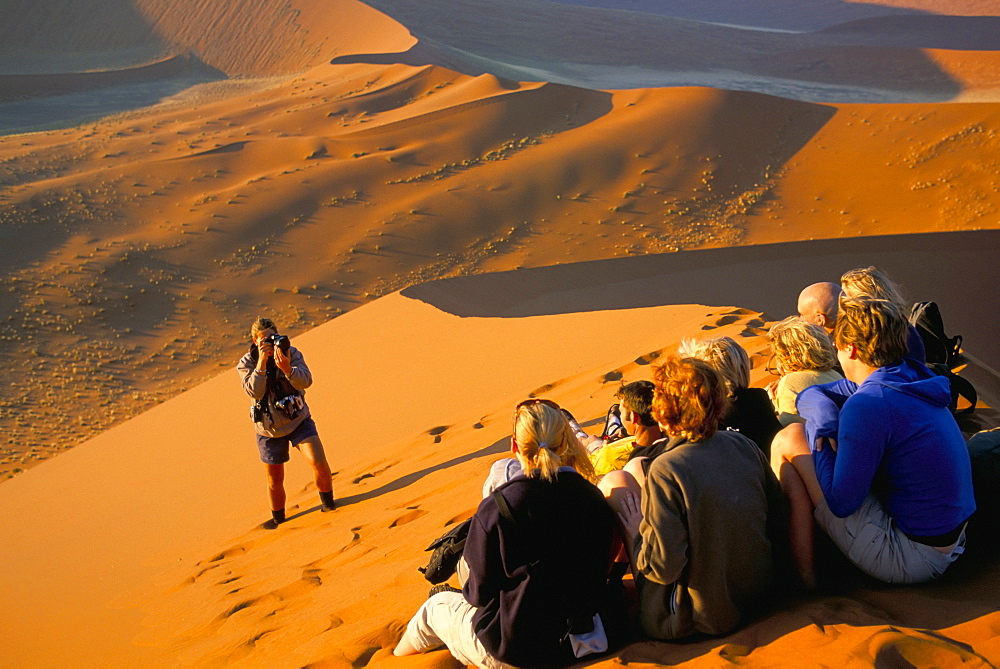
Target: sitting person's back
[711,512]
[705,581]
[551,565]
[750,410]
[805,357]
[537,554]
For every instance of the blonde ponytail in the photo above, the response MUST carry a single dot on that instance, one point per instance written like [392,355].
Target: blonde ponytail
[547,442]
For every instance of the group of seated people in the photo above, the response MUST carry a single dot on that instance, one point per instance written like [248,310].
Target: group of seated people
[716,489]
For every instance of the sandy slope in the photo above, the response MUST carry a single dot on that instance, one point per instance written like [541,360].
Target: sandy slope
[138,547]
[137,248]
[146,244]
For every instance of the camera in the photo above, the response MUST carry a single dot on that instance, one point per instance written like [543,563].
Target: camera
[290,405]
[279,341]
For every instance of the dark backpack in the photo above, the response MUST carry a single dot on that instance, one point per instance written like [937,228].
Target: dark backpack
[447,552]
[926,317]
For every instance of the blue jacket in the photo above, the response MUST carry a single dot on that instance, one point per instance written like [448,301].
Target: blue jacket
[897,439]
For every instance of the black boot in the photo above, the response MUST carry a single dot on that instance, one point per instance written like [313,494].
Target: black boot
[277,518]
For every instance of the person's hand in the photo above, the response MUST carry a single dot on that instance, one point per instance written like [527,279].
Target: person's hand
[772,390]
[265,351]
[283,361]
[630,514]
[829,440]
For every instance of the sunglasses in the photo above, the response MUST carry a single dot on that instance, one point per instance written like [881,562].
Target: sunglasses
[528,403]
[772,366]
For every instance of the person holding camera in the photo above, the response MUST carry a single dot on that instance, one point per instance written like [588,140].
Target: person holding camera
[275,376]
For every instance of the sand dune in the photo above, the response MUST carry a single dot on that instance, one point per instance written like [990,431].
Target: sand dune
[155,237]
[581,46]
[356,153]
[102,556]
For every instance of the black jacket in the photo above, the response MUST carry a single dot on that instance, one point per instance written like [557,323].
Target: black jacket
[531,580]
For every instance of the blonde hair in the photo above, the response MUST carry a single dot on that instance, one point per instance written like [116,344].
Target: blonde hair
[260,325]
[876,328]
[690,398]
[871,282]
[725,355]
[799,345]
[546,442]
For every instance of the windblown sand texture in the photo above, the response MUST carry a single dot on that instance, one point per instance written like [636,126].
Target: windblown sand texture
[326,163]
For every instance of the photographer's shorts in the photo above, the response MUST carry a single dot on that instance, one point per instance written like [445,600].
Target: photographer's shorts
[274,450]
[871,540]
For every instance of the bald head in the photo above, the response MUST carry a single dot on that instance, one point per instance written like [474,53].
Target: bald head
[818,304]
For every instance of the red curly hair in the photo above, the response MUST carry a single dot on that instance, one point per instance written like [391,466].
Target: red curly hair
[690,398]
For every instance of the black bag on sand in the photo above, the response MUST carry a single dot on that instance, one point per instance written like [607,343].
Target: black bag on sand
[926,317]
[447,551]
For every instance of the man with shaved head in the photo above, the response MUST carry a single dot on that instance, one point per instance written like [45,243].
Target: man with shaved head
[818,304]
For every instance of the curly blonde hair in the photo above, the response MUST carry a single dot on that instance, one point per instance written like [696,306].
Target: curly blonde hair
[546,441]
[871,282]
[725,355]
[799,345]
[690,398]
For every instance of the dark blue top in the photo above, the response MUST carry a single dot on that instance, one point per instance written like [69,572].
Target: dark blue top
[915,345]
[531,579]
[896,438]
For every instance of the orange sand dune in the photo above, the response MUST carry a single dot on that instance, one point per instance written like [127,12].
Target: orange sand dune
[157,237]
[139,548]
[341,163]
[255,37]
[865,56]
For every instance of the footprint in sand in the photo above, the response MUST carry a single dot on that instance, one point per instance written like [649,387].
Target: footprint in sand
[436,432]
[460,518]
[228,553]
[310,581]
[648,358]
[413,514]
[541,390]
[369,475]
[754,328]
[728,319]
[612,376]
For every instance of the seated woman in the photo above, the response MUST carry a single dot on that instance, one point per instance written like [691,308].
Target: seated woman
[805,357]
[873,282]
[538,555]
[704,540]
[750,410]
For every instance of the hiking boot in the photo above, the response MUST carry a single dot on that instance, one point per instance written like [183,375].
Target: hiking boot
[442,587]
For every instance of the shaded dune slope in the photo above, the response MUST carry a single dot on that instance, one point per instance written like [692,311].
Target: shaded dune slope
[878,58]
[18,86]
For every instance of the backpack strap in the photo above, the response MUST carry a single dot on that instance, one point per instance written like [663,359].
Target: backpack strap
[960,387]
[505,511]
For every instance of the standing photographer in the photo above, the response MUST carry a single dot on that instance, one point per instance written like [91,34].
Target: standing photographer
[275,375]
